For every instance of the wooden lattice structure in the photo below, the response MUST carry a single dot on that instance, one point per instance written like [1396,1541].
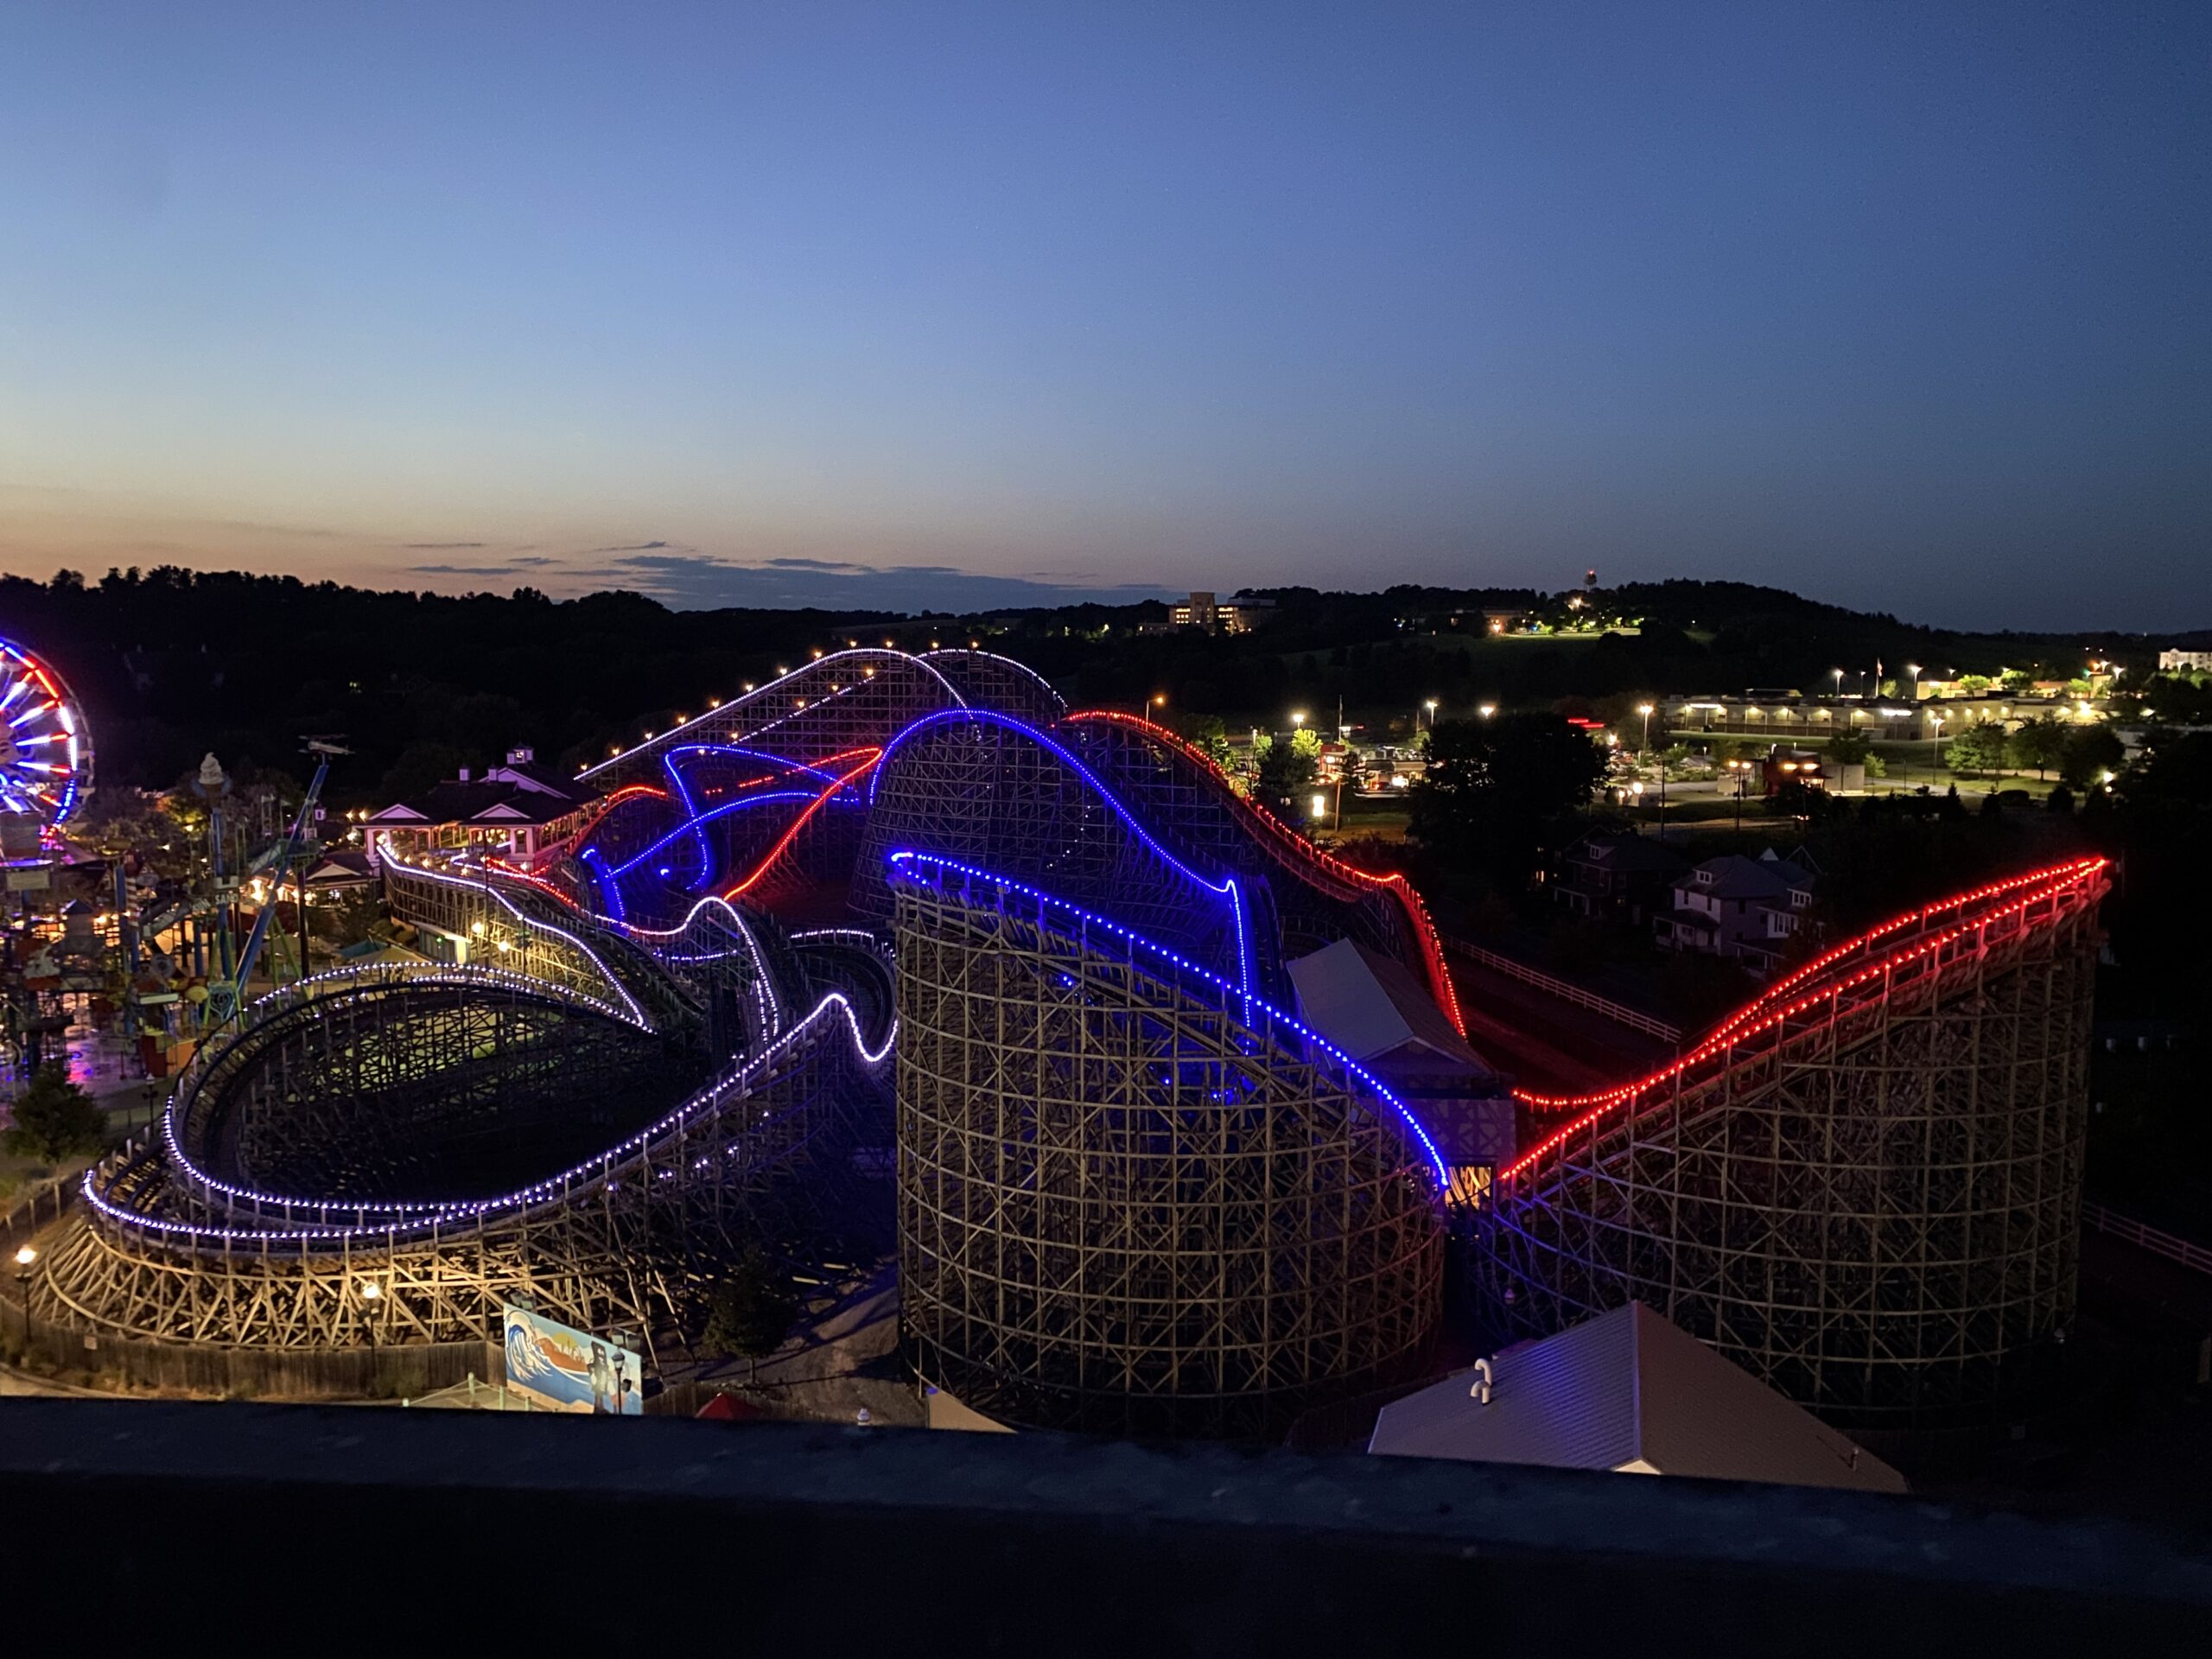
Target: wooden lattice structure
[1186,799]
[1131,1200]
[1866,1187]
[845,701]
[1002,795]
[183,1242]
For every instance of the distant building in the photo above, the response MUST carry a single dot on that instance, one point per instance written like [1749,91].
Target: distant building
[1791,714]
[1785,764]
[1239,615]
[1613,872]
[1744,909]
[2185,662]
[1628,1392]
[517,810]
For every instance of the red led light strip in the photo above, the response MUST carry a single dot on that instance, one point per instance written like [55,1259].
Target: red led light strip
[799,823]
[1771,1009]
[615,800]
[1431,943]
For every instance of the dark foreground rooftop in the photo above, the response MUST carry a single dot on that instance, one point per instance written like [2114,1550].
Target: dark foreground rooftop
[291,1528]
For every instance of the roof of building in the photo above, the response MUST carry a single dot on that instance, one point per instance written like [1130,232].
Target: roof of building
[1628,1389]
[1616,850]
[498,798]
[1733,876]
[1374,1010]
[341,867]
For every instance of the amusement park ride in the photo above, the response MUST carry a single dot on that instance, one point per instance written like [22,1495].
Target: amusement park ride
[908,914]
[166,972]
[45,774]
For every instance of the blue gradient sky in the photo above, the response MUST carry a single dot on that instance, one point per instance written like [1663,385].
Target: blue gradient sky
[1902,306]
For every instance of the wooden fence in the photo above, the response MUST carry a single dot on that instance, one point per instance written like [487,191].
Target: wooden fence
[1567,991]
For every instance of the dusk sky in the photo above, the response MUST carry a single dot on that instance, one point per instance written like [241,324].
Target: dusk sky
[1907,307]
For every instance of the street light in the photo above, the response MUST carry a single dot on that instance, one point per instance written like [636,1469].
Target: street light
[1487,711]
[1297,719]
[1913,669]
[24,1257]
[1644,708]
[1160,700]
[1839,680]
[1743,770]
[1431,706]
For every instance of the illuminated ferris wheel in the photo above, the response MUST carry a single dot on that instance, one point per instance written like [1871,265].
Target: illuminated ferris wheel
[46,747]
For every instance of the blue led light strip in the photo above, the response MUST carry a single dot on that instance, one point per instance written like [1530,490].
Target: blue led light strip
[1226,888]
[903,863]
[709,816]
[411,1221]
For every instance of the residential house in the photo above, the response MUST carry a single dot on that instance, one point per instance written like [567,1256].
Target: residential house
[1747,910]
[1613,873]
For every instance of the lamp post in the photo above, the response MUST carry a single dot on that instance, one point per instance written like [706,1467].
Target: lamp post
[24,1257]
[1935,743]
[1431,706]
[1487,711]
[1644,708]
[1742,772]
[1839,682]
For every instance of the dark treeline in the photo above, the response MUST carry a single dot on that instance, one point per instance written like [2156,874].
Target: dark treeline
[1385,653]
[171,663]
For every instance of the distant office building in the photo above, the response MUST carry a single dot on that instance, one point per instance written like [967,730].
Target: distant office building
[1239,615]
[2185,662]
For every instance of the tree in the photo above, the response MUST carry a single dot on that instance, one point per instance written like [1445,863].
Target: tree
[54,1119]
[1978,748]
[2040,743]
[1286,768]
[1353,769]
[2090,752]
[1850,749]
[1495,788]
[354,917]
[751,1308]
[1205,733]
